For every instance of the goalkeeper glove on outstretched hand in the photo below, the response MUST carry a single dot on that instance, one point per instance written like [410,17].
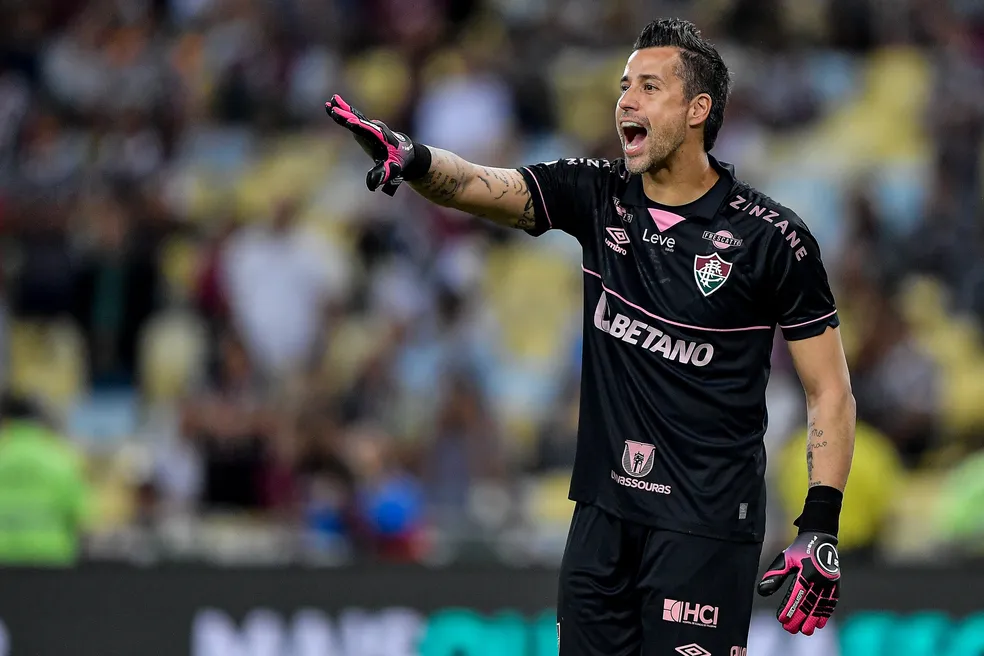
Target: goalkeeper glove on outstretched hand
[813,561]
[396,156]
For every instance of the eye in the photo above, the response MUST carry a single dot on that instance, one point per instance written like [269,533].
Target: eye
[649,86]
[624,87]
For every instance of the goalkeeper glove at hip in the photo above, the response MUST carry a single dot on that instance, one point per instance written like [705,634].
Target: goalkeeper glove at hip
[813,561]
[396,156]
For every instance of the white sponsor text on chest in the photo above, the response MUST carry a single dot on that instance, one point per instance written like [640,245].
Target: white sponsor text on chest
[660,240]
[654,340]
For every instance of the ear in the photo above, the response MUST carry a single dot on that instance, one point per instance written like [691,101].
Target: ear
[700,109]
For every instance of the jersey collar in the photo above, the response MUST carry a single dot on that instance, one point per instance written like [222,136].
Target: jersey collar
[702,209]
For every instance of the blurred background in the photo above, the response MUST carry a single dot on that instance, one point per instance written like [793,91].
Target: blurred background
[217,347]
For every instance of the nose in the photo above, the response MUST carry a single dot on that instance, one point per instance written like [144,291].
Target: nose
[627,102]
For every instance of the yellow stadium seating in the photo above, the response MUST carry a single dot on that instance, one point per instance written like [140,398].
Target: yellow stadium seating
[519,279]
[181,259]
[172,352]
[380,79]
[547,502]
[47,361]
[911,535]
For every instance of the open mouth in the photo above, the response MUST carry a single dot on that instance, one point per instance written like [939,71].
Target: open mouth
[634,136]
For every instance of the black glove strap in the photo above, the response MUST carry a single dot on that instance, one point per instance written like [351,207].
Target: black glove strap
[420,164]
[821,512]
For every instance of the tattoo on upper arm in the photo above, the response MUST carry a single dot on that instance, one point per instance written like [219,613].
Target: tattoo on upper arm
[519,185]
[528,218]
[488,175]
[511,181]
[528,211]
[495,174]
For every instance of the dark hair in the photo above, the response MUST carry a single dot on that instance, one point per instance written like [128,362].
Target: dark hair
[701,67]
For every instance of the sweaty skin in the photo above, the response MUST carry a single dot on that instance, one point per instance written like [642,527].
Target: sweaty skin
[671,158]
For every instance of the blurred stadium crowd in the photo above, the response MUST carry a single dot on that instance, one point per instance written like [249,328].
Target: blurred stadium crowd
[250,358]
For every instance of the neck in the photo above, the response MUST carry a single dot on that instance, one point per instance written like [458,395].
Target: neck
[683,178]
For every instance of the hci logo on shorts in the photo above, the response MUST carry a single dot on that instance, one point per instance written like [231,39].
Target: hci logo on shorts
[684,612]
[638,458]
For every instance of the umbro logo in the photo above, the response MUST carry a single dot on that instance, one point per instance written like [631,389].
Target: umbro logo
[618,238]
[693,649]
[619,235]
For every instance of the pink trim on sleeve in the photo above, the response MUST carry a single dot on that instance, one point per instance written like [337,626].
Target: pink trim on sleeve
[798,325]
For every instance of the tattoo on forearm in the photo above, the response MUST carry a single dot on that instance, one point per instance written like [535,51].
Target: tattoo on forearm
[809,462]
[813,442]
[442,187]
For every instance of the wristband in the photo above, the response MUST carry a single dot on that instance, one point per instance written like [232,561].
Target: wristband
[420,164]
[821,511]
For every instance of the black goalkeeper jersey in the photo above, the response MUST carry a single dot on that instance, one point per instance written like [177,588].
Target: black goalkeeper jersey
[680,310]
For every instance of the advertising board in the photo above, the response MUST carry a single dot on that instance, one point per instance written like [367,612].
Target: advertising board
[416,611]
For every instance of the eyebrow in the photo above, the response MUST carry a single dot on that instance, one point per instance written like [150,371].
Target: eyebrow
[644,76]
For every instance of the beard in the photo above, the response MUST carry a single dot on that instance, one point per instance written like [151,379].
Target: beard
[659,147]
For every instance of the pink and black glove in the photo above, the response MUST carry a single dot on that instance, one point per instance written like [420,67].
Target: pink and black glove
[813,561]
[396,156]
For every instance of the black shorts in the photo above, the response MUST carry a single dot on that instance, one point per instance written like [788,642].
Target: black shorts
[631,590]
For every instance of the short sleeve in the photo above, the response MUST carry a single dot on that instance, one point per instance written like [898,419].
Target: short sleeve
[564,193]
[805,305]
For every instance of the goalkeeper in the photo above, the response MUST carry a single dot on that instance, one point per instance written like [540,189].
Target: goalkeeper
[688,273]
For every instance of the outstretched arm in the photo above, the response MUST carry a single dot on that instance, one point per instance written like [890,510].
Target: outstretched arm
[500,195]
